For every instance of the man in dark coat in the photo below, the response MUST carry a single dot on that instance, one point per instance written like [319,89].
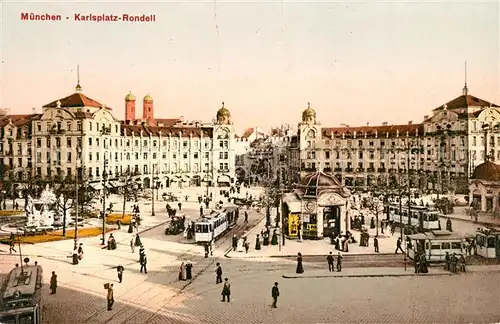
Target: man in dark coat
[120,269]
[375,244]
[339,262]
[275,292]
[53,283]
[144,263]
[226,291]
[329,259]
[398,246]
[218,279]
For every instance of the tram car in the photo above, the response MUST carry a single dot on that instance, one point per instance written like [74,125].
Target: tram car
[435,244]
[213,226]
[21,296]
[424,218]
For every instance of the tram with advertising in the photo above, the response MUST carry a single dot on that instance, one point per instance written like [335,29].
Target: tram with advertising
[21,296]
[213,226]
[424,218]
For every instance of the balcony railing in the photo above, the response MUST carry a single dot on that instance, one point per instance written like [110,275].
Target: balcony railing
[381,170]
[348,169]
[338,169]
[327,169]
[371,169]
[360,170]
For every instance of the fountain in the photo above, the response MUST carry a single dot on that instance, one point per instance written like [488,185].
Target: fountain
[41,213]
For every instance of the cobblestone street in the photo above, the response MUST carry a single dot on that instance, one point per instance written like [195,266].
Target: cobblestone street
[467,298]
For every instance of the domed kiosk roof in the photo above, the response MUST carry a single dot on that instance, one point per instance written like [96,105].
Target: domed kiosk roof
[315,183]
[487,171]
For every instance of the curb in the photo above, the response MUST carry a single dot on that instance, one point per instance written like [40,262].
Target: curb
[306,255]
[370,276]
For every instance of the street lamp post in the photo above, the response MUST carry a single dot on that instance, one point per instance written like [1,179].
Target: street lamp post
[153,182]
[76,199]
[104,178]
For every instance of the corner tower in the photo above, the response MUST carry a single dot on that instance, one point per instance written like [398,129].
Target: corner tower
[147,108]
[129,106]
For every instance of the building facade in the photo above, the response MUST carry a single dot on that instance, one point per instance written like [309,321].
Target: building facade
[78,133]
[439,153]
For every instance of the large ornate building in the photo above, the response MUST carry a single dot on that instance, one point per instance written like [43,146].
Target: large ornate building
[78,133]
[439,153]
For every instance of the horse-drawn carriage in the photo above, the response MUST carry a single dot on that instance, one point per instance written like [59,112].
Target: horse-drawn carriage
[176,226]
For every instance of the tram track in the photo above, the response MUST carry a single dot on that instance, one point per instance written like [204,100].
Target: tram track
[226,238]
[217,244]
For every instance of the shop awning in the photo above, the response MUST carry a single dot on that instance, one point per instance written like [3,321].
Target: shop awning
[294,206]
[223,179]
[96,186]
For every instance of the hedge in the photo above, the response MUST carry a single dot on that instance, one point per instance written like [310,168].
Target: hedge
[57,235]
[112,218]
[11,212]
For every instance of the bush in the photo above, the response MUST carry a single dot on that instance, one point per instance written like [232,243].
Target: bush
[57,235]
[112,218]
[11,212]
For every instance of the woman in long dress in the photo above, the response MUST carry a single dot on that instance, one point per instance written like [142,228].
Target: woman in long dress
[300,267]
[182,272]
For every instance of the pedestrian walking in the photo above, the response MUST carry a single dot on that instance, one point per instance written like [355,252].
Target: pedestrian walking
[339,262]
[180,206]
[12,246]
[375,244]
[329,259]
[218,271]
[447,259]
[182,272]
[226,291]
[398,246]
[132,245]
[235,242]
[201,211]
[80,252]
[144,263]
[247,246]
[120,270]
[110,298]
[275,292]
[300,267]
[246,217]
[53,283]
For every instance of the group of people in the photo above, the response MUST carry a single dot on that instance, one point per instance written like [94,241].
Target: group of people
[341,242]
[454,263]
[77,254]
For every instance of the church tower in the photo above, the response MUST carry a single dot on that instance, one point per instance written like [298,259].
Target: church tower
[147,108]
[130,106]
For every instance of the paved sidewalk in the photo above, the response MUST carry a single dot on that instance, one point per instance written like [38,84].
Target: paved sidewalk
[366,272]
[483,219]
[387,244]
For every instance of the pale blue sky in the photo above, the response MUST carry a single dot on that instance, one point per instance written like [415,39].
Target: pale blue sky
[356,62]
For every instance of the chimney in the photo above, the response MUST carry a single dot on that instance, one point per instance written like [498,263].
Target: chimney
[426,117]
[384,124]
[410,122]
